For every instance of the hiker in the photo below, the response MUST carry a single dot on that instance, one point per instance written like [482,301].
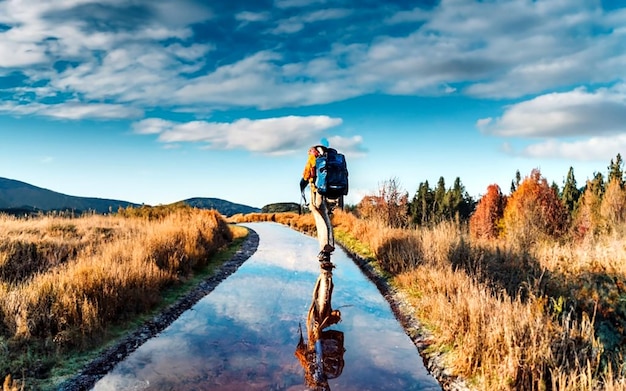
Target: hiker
[323,360]
[318,205]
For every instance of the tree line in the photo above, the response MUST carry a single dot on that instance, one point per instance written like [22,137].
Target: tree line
[533,208]
[536,209]
[428,206]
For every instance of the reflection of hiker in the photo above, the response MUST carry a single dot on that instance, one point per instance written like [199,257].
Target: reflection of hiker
[322,361]
[318,205]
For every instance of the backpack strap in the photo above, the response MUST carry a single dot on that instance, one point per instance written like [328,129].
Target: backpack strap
[320,149]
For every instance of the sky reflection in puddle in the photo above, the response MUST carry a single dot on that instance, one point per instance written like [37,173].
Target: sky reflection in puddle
[244,334]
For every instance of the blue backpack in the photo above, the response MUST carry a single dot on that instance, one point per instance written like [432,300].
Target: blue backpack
[331,174]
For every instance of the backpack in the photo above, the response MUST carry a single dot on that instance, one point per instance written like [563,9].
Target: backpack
[331,172]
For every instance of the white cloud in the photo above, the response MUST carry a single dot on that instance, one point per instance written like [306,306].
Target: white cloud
[350,146]
[414,15]
[152,126]
[73,110]
[248,16]
[326,14]
[499,49]
[258,81]
[577,112]
[296,3]
[595,148]
[92,110]
[296,23]
[486,49]
[273,136]
[144,74]
[177,13]
[19,54]
[288,26]
[577,125]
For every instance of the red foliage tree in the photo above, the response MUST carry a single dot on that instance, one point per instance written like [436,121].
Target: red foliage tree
[484,223]
[534,210]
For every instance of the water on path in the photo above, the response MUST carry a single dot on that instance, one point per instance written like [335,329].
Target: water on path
[243,335]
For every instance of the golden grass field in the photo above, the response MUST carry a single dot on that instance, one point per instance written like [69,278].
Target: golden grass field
[66,282]
[503,318]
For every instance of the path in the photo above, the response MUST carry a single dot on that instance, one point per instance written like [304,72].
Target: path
[243,335]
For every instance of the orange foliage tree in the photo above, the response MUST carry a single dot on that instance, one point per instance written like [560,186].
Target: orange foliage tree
[534,210]
[369,207]
[588,220]
[613,206]
[389,206]
[484,222]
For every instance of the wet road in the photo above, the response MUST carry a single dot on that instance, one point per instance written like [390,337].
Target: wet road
[243,335]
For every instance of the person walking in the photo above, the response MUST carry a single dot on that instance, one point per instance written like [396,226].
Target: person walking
[318,205]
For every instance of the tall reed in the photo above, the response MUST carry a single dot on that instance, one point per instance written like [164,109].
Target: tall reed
[500,316]
[65,280]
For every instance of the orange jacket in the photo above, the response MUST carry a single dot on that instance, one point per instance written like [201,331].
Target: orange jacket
[309,168]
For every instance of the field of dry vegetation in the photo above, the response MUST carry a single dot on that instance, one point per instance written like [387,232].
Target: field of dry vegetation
[66,282]
[504,315]
[527,294]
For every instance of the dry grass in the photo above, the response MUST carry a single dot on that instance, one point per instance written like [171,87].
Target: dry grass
[502,317]
[11,385]
[63,281]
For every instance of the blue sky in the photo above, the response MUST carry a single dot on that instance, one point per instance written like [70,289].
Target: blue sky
[158,101]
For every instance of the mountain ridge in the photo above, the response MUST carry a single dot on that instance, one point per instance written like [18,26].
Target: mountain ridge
[17,197]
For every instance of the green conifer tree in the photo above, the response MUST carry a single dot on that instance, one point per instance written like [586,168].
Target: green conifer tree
[571,193]
[439,207]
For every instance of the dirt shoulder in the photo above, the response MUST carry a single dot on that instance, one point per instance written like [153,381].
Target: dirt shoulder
[96,369]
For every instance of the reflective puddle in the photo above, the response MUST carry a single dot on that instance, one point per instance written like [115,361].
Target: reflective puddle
[244,335]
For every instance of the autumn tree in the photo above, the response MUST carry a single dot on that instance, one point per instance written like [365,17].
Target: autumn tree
[368,207]
[534,210]
[484,222]
[390,205]
[395,202]
[613,204]
[597,184]
[587,220]
[556,189]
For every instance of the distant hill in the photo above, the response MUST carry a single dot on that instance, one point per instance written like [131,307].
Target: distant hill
[226,208]
[21,196]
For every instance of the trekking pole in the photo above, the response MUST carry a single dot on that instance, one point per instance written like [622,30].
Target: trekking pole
[304,198]
[301,208]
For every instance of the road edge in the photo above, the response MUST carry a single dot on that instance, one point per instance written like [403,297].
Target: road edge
[404,313]
[105,362]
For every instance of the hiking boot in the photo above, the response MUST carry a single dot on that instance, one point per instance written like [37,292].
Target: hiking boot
[335,317]
[328,248]
[323,256]
[327,265]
